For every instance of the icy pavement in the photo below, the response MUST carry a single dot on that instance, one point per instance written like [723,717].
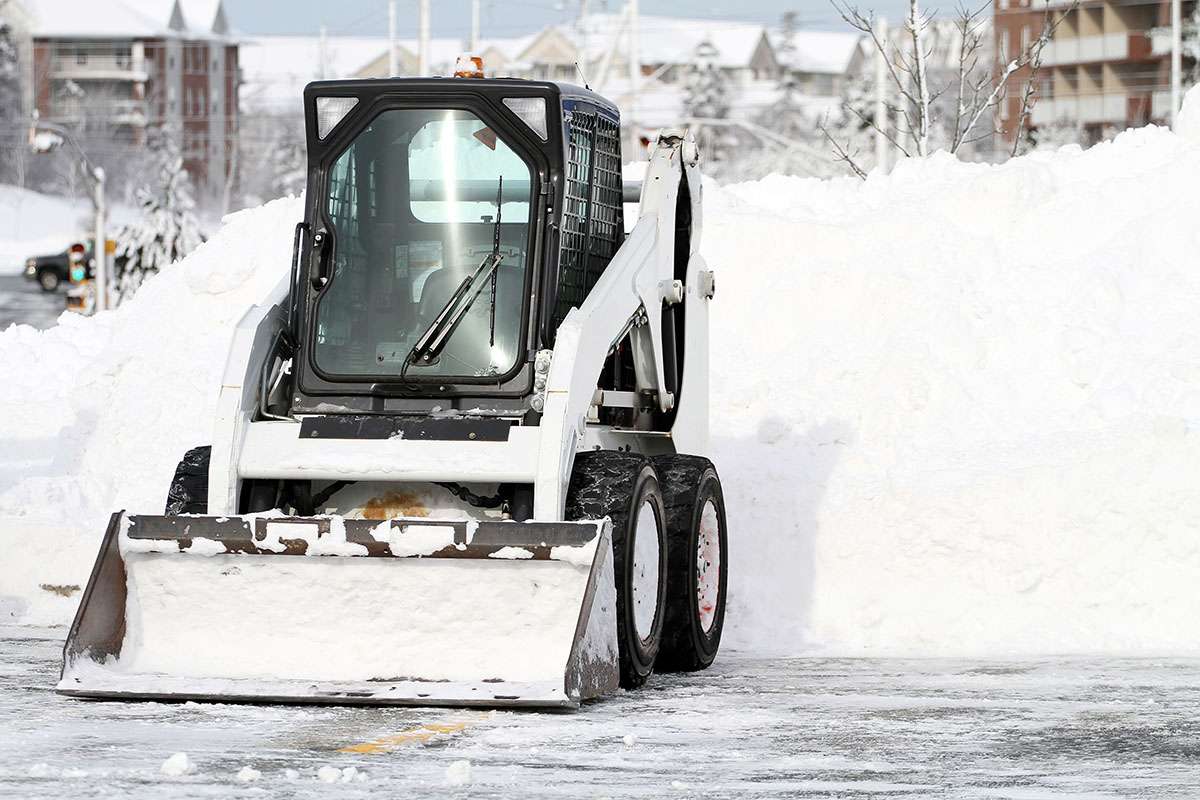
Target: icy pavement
[750,727]
[23,302]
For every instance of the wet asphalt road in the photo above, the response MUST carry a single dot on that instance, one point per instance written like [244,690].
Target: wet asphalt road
[749,727]
[22,301]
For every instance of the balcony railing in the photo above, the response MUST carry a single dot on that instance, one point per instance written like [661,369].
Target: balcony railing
[119,112]
[1089,49]
[1115,108]
[100,66]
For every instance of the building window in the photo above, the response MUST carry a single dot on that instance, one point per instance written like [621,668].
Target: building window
[1004,5]
[1025,33]
[81,55]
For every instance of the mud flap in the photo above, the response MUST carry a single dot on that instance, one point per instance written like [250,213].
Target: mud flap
[331,610]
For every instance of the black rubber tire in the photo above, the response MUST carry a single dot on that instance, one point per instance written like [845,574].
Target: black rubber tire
[688,484]
[189,488]
[48,280]
[606,483]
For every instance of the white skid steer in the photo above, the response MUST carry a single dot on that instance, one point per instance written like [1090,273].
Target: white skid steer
[459,456]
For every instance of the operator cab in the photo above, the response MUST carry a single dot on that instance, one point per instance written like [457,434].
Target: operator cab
[450,224]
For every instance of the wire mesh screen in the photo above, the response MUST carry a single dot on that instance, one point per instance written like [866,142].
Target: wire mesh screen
[593,223]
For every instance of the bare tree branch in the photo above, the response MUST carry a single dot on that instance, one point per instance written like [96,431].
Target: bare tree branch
[842,153]
[1034,60]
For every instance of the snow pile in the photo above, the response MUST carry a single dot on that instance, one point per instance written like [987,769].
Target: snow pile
[966,417]
[98,411]
[955,408]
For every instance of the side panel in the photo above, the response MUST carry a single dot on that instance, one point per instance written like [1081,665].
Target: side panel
[238,398]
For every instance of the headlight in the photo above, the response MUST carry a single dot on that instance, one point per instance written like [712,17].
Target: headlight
[30,266]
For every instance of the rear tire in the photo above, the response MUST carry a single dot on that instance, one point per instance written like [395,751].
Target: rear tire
[699,565]
[189,488]
[624,487]
[48,279]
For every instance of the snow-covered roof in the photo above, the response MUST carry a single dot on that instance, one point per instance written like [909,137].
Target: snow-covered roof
[669,40]
[130,19]
[275,69]
[828,52]
[206,16]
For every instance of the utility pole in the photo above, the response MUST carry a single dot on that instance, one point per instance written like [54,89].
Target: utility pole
[423,38]
[45,137]
[474,44]
[393,54]
[583,39]
[1176,59]
[322,59]
[881,88]
[635,78]
[100,248]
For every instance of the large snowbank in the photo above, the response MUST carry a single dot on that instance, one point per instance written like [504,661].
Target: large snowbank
[955,407]
[97,411]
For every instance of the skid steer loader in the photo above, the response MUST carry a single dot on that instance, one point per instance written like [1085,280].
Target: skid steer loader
[458,458]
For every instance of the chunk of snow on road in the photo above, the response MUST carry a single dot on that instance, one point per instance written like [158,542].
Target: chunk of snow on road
[458,773]
[344,775]
[176,765]
[629,739]
[40,770]
[291,774]
[248,774]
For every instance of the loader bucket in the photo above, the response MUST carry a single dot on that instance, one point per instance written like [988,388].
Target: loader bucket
[344,611]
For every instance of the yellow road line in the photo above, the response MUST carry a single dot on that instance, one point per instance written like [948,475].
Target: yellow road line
[420,735]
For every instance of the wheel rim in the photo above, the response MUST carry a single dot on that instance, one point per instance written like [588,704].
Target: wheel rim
[49,281]
[645,571]
[708,566]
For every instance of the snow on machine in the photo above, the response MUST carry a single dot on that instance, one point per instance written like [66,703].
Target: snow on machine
[458,458]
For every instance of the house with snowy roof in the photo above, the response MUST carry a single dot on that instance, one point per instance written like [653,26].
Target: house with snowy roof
[125,66]
[821,61]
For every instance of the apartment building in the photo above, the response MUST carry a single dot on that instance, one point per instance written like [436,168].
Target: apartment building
[116,69]
[1107,68]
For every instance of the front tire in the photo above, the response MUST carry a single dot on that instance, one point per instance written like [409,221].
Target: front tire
[48,279]
[699,563]
[189,488]
[624,487]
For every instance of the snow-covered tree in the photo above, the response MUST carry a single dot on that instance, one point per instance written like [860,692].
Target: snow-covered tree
[786,116]
[706,92]
[706,96]
[168,229]
[11,122]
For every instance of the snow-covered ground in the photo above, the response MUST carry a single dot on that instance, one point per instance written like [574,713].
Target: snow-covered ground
[955,407]
[750,727]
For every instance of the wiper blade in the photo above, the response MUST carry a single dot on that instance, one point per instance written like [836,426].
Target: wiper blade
[434,339]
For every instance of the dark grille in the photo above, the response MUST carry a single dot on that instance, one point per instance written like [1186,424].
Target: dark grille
[593,222]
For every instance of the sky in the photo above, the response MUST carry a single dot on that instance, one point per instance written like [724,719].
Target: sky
[451,18]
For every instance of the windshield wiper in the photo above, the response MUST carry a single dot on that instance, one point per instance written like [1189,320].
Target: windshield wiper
[434,339]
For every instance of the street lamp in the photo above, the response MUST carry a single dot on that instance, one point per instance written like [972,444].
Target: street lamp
[46,137]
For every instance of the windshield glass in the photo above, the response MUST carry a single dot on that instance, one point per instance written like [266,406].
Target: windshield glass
[412,203]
